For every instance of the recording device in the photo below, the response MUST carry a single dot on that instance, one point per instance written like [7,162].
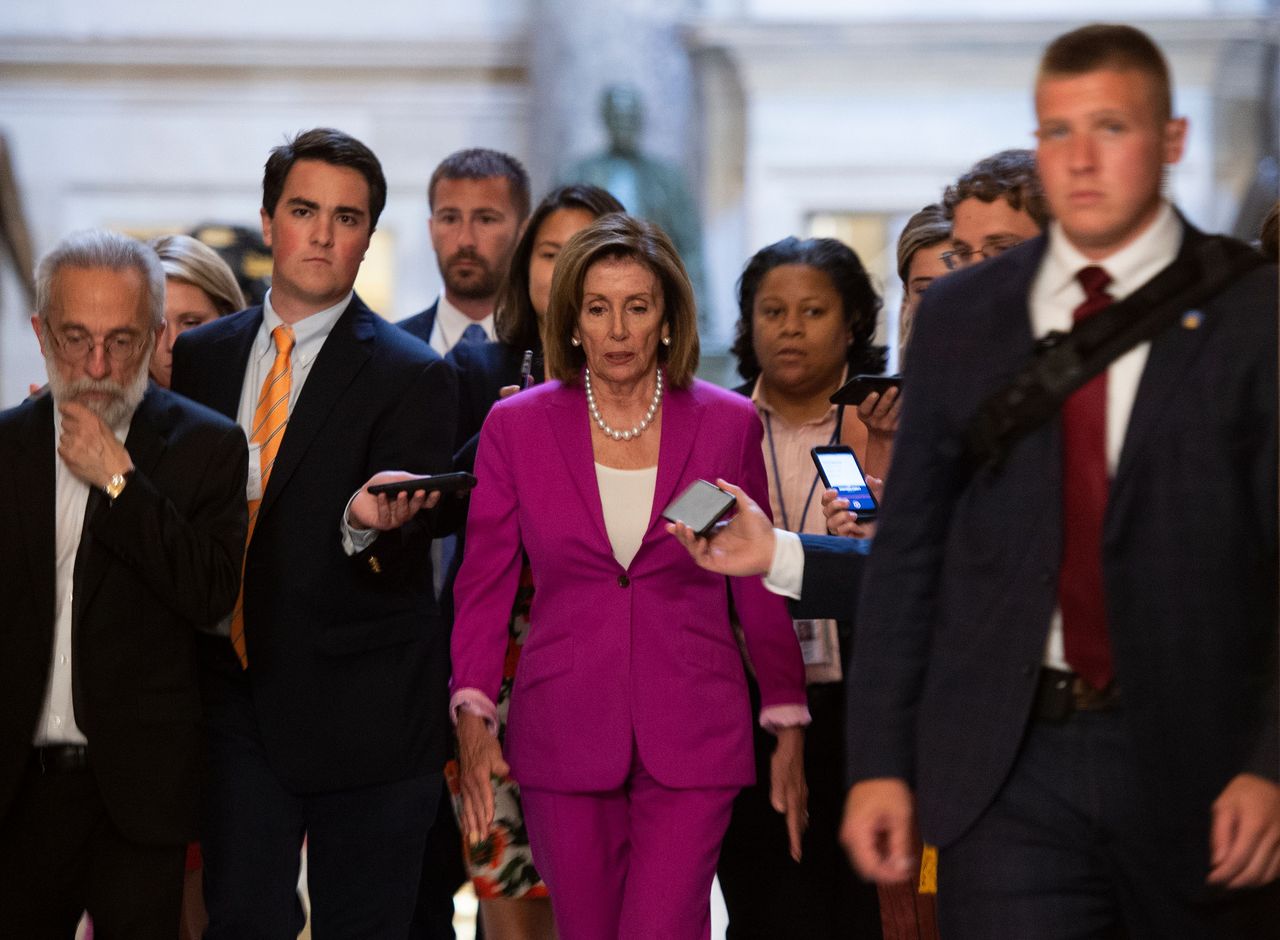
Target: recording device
[700,507]
[458,482]
[860,386]
[840,471]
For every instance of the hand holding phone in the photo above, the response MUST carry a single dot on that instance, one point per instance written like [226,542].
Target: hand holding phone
[741,548]
[700,507]
[840,471]
[458,482]
[859,387]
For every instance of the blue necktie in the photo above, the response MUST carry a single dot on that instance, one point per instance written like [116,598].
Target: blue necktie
[474,334]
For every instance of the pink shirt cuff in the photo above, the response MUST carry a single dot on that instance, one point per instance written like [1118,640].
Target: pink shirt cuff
[776,717]
[475,702]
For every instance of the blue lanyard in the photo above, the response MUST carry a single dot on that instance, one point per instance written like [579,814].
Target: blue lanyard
[777,477]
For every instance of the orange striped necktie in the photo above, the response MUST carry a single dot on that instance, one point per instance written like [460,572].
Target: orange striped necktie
[269,420]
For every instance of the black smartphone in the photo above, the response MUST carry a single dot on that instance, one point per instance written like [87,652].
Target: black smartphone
[841,472]
[860,386]
[458,482]
[700,506]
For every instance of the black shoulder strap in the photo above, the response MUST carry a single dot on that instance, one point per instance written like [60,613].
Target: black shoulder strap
[1062,362]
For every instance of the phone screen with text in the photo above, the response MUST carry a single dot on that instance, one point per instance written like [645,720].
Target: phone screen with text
[841,472]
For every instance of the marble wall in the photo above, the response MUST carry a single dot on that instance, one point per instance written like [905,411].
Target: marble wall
[148,115]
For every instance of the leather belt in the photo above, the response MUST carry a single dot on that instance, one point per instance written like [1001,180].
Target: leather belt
[59,758]
[1059,694]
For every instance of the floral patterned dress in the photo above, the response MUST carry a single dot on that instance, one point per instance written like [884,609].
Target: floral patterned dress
[501,864]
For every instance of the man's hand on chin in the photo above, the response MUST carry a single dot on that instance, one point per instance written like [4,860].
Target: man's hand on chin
[89,447]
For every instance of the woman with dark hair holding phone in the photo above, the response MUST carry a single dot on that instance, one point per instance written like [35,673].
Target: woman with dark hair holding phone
[513,897]
[807,315]
[629,726]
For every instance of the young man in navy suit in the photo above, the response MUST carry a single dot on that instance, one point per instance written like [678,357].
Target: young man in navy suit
[324,699]
[1066,666]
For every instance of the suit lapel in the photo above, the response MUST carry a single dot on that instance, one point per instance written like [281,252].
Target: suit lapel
[681,416]
[229,356]
[35,503]
[1172,354]
[570,428]
[147,440]
[342,356]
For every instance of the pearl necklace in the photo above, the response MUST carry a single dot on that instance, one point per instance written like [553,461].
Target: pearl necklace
[603,425]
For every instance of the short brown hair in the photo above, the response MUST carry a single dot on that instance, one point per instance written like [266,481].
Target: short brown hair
[1010,175]
[619,236]
[480,163]
[327,146]
[1109,46]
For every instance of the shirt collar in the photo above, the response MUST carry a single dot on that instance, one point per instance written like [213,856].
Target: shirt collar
[455,321]
[1130,267]
[762,403]
[309,333]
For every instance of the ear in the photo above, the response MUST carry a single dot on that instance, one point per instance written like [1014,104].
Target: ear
[1175,139]
[38,326]
[266,226]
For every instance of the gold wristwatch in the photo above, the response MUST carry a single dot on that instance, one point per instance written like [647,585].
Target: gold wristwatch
[115,486]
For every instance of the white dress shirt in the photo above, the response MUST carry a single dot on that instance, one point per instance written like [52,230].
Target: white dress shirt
[451,323]
[1055,294]
[57,723]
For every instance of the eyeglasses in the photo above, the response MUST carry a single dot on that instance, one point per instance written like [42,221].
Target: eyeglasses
[962,255]
[77,345]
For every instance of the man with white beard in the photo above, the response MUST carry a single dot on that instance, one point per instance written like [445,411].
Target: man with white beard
[124,515]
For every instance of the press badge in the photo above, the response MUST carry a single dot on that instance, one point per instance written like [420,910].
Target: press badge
[253,484]
[820,647]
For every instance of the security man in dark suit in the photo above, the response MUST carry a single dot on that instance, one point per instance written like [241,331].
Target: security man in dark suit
[1066,656]
[124,532]
[325,698]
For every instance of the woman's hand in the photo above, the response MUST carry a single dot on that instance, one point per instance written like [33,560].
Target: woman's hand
[879,415]
[479,761]
[788,791]
[840,521]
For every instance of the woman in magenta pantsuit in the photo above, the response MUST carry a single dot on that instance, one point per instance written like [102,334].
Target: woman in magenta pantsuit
[629,727]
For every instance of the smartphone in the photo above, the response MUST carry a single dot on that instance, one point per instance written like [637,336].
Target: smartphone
[700,507]
[860,386]
[458,482]
[840,471]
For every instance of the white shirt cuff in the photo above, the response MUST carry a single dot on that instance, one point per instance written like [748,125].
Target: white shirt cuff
[354,540]
[786,574]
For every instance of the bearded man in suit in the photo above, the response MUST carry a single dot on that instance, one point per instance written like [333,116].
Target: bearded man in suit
[125,518]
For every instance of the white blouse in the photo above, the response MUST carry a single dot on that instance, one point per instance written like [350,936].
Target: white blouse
[626,496]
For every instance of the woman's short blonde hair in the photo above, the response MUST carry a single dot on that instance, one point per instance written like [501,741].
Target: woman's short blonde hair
[190,260]
[610,237]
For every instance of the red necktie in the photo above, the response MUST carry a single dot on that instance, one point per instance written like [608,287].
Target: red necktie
[1084,504]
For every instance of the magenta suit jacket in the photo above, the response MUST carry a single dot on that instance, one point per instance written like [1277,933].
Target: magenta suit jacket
[613,656]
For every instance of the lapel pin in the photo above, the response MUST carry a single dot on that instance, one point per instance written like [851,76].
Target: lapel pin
[1192,320]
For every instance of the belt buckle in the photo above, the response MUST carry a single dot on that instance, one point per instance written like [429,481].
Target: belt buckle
[1085,698]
